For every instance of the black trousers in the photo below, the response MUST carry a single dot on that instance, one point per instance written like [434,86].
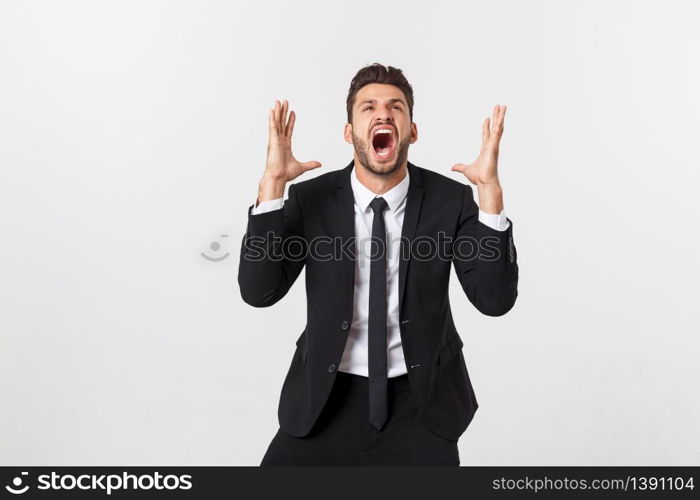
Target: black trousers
[343,435]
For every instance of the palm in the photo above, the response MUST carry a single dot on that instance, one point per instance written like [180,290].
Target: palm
[484,170]
[281,163]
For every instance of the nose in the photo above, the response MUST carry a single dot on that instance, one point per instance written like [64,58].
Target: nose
[383,115]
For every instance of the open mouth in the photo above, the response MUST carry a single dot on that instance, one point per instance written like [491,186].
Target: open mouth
[383,142]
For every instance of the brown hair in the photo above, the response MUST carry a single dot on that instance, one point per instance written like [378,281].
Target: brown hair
[377,73]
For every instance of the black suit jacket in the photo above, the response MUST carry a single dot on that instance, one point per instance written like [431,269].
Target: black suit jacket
[317,221]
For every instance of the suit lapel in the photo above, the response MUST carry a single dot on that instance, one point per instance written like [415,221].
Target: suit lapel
[414,202]
[345,217]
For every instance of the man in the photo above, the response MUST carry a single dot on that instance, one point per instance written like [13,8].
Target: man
[378,376]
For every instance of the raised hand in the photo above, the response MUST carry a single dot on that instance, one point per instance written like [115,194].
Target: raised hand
[281,164]
[484,170]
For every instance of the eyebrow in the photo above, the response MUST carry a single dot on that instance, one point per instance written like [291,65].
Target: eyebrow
[391,101]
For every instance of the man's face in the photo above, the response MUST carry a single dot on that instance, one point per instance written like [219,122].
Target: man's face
[381,128]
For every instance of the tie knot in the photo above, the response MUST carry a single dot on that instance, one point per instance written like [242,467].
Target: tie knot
[378,205]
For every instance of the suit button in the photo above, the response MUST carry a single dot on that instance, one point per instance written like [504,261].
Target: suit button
[344,325]
[331,368]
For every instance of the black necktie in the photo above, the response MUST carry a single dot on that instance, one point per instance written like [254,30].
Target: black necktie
[378,406]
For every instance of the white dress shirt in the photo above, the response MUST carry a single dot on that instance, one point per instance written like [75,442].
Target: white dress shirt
[355,355]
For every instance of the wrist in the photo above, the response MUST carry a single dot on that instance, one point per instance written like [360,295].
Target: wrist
[492,183]
[270,188]
[490,197]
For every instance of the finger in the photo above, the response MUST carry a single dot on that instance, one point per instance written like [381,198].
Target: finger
[503,116]
[459,167]
[496,114]
[278,110]
[498,126]
[283,123]
[272,128]
[290,127]
[485,131]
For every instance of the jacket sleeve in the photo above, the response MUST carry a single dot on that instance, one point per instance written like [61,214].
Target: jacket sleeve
[485,260]
[273,253]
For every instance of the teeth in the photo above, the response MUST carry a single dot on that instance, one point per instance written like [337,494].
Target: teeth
[383,131]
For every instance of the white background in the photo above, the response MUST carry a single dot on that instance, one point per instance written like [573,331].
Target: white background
[133,135]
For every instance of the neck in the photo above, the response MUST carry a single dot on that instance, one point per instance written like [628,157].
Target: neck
[379,184]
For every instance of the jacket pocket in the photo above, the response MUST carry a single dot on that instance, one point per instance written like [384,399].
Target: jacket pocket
[450,349]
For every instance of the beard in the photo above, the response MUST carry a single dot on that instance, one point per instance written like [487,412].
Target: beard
[365,157]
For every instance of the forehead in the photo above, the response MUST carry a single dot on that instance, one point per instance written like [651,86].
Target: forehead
[380,92]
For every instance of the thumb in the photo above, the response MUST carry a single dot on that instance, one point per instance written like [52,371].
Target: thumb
[308,165]
[458,167]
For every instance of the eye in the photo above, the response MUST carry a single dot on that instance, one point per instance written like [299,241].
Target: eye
[368,107]
[397,107]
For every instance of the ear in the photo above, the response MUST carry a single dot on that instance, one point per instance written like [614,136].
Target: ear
[414,132]
[348,133]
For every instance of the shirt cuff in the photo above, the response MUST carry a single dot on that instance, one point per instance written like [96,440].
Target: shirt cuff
[499,222]
[267,206]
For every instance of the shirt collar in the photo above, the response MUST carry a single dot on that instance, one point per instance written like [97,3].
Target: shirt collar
[364,196]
